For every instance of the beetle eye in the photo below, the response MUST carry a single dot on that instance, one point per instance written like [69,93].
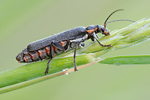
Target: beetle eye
[102,30]
[105,31]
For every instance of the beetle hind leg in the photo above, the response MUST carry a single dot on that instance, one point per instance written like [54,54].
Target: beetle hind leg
[57,45]
[47,69]
[51,57]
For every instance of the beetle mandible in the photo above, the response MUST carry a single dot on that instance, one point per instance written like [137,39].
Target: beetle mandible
[62,42]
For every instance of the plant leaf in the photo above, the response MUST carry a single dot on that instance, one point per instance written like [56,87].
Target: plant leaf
[141,59]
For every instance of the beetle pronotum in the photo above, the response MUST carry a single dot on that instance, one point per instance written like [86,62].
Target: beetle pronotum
[62,42]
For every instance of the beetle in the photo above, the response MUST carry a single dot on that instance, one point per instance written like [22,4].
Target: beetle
[62,42]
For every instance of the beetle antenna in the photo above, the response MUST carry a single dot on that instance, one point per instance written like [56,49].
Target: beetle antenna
[105,23]
[120,20]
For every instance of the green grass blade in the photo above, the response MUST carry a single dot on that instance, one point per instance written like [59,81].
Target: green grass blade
[39,79]
[141,59]
[128,36]
[35,70]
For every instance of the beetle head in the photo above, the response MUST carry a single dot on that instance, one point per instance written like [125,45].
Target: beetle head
[102,30]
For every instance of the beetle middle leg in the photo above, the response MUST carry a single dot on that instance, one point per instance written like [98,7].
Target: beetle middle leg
[75,45]
[75,66]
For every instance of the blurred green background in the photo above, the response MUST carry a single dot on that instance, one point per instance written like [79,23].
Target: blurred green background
[24,21]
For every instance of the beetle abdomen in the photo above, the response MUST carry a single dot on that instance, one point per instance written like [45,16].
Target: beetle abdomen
[27,56]
[36,55]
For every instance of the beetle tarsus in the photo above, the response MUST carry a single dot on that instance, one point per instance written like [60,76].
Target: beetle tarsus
[75,68]
[109,45]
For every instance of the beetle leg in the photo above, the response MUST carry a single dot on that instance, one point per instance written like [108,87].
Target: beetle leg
[94,35]
[75,67]
[97,36]
[103,44]
[75,49]
[47,69]
[51,57]
[56,44]
[67,45]
[81,45]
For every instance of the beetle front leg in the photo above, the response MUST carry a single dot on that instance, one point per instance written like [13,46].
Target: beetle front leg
[103,44]
[94,37]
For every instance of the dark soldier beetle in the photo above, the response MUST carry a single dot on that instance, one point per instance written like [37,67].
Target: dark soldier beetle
[62,42]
